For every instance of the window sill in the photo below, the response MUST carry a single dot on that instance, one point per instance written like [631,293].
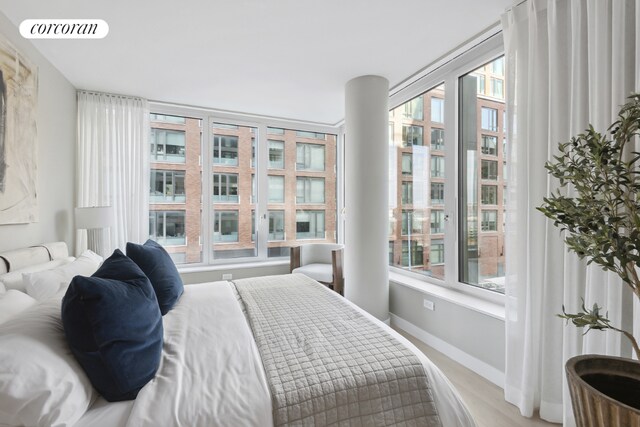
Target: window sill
[218,267]
[453,296]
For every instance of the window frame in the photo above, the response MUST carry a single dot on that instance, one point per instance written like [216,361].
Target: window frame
[449,72]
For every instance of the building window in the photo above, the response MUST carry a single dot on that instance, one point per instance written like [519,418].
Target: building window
[411,222]
[391,253]
[412,135]
[276,189]
[481,84]
[167,119]
[225,150]
[414,257]
[167,145]
[489,195]
[276,154]
[497,66]
[414,109]
[489,119]
[312,135]
[437,221]
[276,226]
[310,157]
[225,188]
[489,169]
[275,131]
[437,110]
[497,88]
[437,139]
[225,126]
[437,193]
[309,190]
[436,252]
[490,145]
[489,220]
[225,227]
[167,186]
[407,164]
[437,167]
[310,225]
[167,227]
[407,192]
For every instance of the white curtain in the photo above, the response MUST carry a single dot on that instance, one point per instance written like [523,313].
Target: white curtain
[113,164]
[569,63]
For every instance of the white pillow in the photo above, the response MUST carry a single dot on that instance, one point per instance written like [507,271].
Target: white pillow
[13,279]
[45,284]
[13,302]
[41,383]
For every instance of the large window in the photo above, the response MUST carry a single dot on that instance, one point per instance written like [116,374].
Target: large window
[455,178]
[266,187]
[414,109]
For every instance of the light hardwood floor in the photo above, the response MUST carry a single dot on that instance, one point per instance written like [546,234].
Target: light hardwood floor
[484,399]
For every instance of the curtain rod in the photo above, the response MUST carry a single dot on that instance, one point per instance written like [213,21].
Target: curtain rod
[112,95]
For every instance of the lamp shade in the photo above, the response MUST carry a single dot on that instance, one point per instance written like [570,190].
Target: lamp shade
[94,217]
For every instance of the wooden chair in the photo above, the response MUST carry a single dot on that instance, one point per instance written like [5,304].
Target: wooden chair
[321,262]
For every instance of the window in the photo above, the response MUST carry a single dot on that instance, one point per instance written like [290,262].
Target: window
[437,193]
[437,110]
[309,190]
[489,169]
[276,154]
[391,253]
[490,145]
[412,135]
[489,220]
[276,225]
[436,253]
[414,257]
[411,222]
[489,119]
[407,193]
[167,119]
[312,135]
[225,187]
[310,157]
[413,109]
[480,245]
[437,167]
[481,84]
[489,195]
[167,145]
[413,168]
[437,221]
[310,225]
[437,139]
[167,227]
[275,131]
[167,187]
[225,150]
[276,189]
[407,164]
[225,228]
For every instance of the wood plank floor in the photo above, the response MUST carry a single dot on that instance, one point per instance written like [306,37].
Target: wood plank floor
[484,399]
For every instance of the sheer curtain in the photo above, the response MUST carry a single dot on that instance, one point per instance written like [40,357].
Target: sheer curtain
[569,63]
[113,164]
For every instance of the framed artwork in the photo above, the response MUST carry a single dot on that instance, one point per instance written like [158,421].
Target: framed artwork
[18,136]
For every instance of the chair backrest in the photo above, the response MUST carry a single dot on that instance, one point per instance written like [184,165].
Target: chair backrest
[317,253]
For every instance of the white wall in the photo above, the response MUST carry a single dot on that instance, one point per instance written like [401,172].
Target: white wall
[56,123]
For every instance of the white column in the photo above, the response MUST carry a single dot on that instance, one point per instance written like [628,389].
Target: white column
[366,194]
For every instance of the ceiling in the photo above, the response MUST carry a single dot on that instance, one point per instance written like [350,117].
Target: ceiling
[282,58]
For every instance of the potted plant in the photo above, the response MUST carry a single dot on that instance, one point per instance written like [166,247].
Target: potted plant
[601,223]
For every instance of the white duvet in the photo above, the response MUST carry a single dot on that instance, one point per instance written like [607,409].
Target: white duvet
[211,373]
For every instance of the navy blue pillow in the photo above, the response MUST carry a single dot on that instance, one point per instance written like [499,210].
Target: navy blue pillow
[156,263]
[114,327]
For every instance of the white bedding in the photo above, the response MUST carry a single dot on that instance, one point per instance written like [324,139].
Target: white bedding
[211,373]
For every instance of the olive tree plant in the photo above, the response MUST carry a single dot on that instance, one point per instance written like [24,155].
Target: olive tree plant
[601,221]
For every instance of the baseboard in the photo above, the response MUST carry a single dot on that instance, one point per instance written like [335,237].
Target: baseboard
[476,365]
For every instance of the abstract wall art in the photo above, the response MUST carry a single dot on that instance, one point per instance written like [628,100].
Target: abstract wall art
[18,136]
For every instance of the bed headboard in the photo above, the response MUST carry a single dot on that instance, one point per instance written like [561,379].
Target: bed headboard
[25,257]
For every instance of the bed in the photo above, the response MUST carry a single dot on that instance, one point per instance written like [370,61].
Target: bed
[276,350]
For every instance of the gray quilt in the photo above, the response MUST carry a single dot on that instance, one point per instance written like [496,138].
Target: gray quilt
[327,364]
